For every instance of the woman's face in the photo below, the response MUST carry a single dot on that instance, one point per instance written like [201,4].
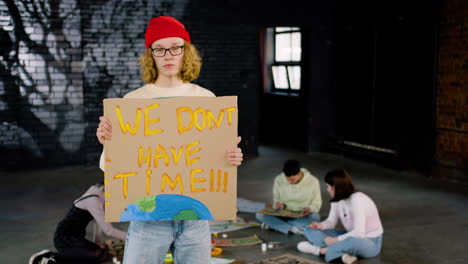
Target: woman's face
[331,190]
[168,62]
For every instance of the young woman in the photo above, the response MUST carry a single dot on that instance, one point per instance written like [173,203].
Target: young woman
[69,237]
[168,65]
[359,216]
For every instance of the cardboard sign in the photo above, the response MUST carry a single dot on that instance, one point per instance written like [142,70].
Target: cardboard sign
[287,258]
[281,212]
[167,159]
[235,242]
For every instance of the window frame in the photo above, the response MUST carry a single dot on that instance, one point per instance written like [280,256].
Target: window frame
[285,64]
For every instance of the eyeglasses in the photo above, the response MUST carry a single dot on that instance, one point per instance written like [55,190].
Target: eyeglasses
[161,52]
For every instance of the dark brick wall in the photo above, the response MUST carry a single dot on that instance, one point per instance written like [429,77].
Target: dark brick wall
[112,40]
[451,154]
[60,59]
[41,83]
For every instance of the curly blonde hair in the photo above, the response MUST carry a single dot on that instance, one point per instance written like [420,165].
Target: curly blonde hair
[191,65]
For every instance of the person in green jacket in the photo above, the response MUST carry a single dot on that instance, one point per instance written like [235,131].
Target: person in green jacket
[295,189]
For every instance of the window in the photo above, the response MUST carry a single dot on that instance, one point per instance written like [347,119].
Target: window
[285,59]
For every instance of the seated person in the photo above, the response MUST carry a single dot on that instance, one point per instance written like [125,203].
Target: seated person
[359,216]
[69,237]
[295,189]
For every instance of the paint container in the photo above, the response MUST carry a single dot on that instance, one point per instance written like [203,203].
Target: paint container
[270,246]
[224,235]
[264,247]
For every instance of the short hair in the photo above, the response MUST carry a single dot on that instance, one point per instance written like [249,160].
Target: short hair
[191,65]
[291,167]
[341,180]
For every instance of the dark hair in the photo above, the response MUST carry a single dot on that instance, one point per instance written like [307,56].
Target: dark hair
[291,167]
[341,180]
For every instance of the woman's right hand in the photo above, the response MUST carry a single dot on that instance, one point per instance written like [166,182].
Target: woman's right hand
[315,225]
[104,130]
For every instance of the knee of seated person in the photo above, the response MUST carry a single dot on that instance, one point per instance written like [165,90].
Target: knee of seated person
[315,217]
[351,240]
[310,231]
[259,216]
[104,256]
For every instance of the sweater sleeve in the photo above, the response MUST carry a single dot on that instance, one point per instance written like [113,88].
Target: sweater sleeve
[97,233]
[332,219]
[276,192]
[101,161]
[316,201]
[94,206]
[359,220]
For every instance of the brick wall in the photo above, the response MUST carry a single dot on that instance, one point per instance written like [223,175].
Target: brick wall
[41,105]
[451,153]
[112,40]
[60,60]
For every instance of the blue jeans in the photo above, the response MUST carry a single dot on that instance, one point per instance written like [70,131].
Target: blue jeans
[149,242]
[359,247]
[283,224]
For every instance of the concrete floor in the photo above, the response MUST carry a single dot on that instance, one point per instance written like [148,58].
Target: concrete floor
[425,221]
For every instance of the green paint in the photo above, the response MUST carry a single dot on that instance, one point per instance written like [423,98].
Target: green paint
[147,204]
[186,215]
[246,241]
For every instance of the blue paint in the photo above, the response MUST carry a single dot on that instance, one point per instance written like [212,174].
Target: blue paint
[168,206]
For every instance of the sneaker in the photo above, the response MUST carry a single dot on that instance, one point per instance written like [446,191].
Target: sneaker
[296,230]
[306,247]
[37,257]
[264,226]
[348,259]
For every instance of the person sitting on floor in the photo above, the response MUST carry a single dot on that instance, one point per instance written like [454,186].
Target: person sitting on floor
[359,216]
[295,189]
[69,236]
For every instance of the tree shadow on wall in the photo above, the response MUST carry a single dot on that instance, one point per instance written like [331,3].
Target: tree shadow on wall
[20,85]
[106,24]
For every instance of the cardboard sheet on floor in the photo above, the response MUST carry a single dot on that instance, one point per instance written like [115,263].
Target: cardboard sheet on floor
[236,242]
[286,258]
[221,260]
[167,159]
[281,212]
[116,248]
[221,226]
[169,259]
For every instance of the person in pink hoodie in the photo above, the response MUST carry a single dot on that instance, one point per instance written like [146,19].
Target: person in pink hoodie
[359,216]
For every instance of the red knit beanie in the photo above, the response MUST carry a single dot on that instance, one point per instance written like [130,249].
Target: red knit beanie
[164,27]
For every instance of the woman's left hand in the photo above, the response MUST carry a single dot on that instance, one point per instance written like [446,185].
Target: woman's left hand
[331,240]
[235,155]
